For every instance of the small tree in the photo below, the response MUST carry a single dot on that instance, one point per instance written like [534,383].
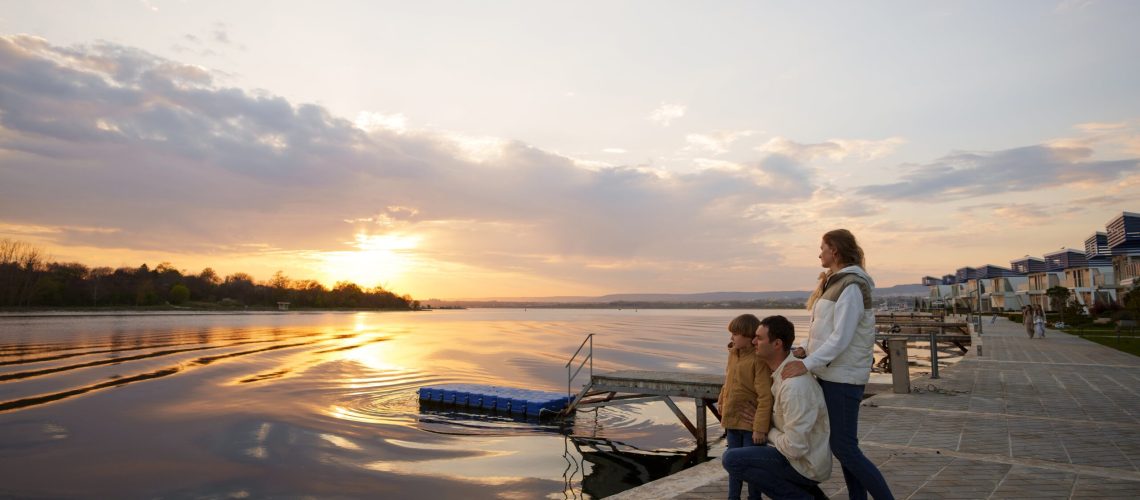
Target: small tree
[1059,297]
[1132,299]
[179,294]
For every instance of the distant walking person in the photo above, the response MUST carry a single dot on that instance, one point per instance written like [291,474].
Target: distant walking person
[840,354]
[1039,322]
[1027,320]
[745,399]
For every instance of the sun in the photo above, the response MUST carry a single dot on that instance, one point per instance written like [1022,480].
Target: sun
[379,260]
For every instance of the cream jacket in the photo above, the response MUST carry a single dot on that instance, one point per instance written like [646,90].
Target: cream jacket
[842,343]
[800,429]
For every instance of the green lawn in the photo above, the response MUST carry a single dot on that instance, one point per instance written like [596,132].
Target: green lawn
[1127,343]
[1090,329]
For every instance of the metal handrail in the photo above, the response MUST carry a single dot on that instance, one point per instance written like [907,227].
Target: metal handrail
[589,357]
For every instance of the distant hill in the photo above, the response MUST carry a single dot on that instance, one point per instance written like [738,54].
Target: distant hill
[689,298]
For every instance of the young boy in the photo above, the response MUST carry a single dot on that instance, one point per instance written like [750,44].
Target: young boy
[747,391]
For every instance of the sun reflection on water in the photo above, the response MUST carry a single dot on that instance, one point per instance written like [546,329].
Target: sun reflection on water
[337,393]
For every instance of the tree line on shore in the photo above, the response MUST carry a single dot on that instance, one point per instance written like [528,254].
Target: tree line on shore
[29,279]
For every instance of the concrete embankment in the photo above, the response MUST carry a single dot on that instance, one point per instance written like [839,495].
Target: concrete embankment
[1057,417]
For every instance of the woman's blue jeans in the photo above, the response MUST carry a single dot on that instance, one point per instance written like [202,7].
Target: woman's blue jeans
[859,472]
[738,438]
[765,469]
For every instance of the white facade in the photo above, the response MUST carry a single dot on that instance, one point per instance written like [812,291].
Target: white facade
[1091,284]
[1038,283]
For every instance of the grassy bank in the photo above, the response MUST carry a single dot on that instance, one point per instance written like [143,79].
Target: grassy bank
[1128,341]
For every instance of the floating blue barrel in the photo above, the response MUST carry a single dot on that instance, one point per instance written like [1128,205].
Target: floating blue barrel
[496,398]
[503,402]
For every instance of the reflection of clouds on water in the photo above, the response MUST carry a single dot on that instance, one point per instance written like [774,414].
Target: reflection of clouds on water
[22,434]
[305,398]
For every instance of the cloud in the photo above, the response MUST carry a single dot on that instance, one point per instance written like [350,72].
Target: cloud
[614,150]
[1018,213]
[160,156]
[1100,127]
[208,44]
[715,142]
[1111,139]
[968,174]
[371,121]
[833,149]
[220,34]
[829,202]
[1103,201]
[666,113]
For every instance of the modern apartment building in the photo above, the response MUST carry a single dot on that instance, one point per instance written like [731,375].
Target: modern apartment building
[1107,269]
[1040,281]
[1094,282]
[1123,238]
[1000,288]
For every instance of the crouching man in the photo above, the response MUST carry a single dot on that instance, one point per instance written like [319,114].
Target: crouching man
[798,457]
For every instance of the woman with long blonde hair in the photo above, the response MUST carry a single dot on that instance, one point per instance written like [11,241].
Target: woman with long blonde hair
[840,353]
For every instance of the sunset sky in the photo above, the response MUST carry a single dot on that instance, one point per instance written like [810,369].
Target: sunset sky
[493,149]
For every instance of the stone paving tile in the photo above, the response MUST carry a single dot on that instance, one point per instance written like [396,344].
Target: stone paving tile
[938,431]
[899,431]
[1097,453]
[1125,439]
[1041,451]
[965,479]
[985,435]
[1099,487]
[1032,482]
[905,473]
[987,404]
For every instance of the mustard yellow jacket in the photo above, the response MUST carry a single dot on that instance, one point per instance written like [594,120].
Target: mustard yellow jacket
[747,384]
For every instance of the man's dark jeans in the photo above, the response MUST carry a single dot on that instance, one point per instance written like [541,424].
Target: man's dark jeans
[764,468]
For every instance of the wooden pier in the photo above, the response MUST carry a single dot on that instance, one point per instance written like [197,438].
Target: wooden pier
[636,386]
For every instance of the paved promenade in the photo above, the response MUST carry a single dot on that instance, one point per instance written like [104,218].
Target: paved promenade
[1044,418]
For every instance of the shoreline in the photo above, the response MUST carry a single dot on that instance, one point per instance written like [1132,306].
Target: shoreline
[69,313]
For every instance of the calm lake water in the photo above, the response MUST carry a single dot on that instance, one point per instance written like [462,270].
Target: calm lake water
[324,405]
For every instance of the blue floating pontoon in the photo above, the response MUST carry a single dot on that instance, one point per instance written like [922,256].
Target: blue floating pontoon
[490,397]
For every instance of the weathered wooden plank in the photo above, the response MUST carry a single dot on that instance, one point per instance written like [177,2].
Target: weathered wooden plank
[689,385]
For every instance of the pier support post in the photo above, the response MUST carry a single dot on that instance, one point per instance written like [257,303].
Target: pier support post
[934,354]
[702,429]
[900,369]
